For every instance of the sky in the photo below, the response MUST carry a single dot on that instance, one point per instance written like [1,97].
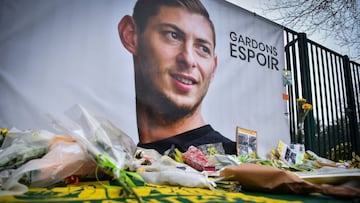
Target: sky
[257,6]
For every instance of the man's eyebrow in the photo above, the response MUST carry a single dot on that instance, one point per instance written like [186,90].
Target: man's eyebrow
[205,41]
[172,26]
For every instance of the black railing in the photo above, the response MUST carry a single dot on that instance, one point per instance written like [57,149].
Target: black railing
[330,82]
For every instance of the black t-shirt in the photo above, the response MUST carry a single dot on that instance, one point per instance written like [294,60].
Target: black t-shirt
[196,137]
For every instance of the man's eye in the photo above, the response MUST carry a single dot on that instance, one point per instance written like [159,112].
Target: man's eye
[205,49]
[172,35]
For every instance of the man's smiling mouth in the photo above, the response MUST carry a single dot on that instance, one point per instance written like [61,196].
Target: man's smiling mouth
[183,80]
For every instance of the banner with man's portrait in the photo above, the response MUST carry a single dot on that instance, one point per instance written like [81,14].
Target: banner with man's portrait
[55,54]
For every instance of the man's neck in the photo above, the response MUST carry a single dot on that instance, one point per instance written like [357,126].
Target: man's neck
[154,128]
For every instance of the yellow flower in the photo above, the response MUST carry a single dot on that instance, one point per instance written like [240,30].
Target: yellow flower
[307,106]
[4,131]
[301,100]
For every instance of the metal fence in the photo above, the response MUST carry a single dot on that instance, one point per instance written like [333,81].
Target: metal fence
[331,83]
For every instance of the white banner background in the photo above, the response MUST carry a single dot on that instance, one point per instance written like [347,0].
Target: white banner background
[54,54]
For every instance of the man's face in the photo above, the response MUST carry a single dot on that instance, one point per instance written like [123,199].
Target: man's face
[175,61]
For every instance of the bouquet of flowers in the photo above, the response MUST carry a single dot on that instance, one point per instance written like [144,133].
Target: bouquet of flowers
[303,108]
[111,149]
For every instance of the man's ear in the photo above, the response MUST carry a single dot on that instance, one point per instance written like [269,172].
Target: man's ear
[127,33]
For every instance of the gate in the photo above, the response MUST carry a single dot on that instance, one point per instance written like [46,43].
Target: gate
[331,83]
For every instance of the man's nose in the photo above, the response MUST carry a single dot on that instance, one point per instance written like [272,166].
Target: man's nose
[187,57]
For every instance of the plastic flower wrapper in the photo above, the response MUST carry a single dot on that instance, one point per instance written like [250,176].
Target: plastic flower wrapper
[222,160]
[19,147]
[166,170]
[111,149]
[163,170]
[65,158]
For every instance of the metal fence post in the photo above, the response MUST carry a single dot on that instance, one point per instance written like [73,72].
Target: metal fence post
[351,108]
[310,142]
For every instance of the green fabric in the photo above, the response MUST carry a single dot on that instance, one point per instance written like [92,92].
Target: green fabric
[95,192]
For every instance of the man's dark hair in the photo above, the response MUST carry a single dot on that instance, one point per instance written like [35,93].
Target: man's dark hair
[144,9]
